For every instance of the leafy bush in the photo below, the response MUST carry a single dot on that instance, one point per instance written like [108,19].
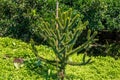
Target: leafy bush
[101,14]
[108,49]
[19,17]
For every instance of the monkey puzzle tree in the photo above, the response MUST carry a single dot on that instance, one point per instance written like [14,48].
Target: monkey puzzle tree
[63,38]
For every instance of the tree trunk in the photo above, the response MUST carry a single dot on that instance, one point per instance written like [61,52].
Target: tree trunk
[57,5]
[61,72]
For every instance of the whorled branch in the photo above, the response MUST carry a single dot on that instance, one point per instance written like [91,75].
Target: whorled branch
[53,62]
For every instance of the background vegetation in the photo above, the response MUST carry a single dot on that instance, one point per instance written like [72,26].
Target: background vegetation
[18,18]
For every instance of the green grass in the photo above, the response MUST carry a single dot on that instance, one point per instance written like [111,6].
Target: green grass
[102,68]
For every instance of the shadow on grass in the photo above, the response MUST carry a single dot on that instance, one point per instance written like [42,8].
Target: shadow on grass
[46,71]
[112,50]
[41,69]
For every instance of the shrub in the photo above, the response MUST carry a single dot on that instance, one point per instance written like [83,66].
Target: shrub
[108,49]
[101,14]
[19,17]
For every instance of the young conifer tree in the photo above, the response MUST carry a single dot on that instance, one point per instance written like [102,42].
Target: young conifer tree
[63,38]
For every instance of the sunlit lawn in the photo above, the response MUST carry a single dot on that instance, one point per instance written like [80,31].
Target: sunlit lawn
[102,68]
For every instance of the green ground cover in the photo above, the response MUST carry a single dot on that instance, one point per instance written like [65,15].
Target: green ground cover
[102,68]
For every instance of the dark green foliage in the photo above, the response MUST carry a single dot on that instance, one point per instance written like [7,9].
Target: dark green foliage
[108,49]
[112,16]
[101,14]
[112,50]
[19,17]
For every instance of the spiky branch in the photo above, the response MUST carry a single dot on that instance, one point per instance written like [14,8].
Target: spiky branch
[63,38]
